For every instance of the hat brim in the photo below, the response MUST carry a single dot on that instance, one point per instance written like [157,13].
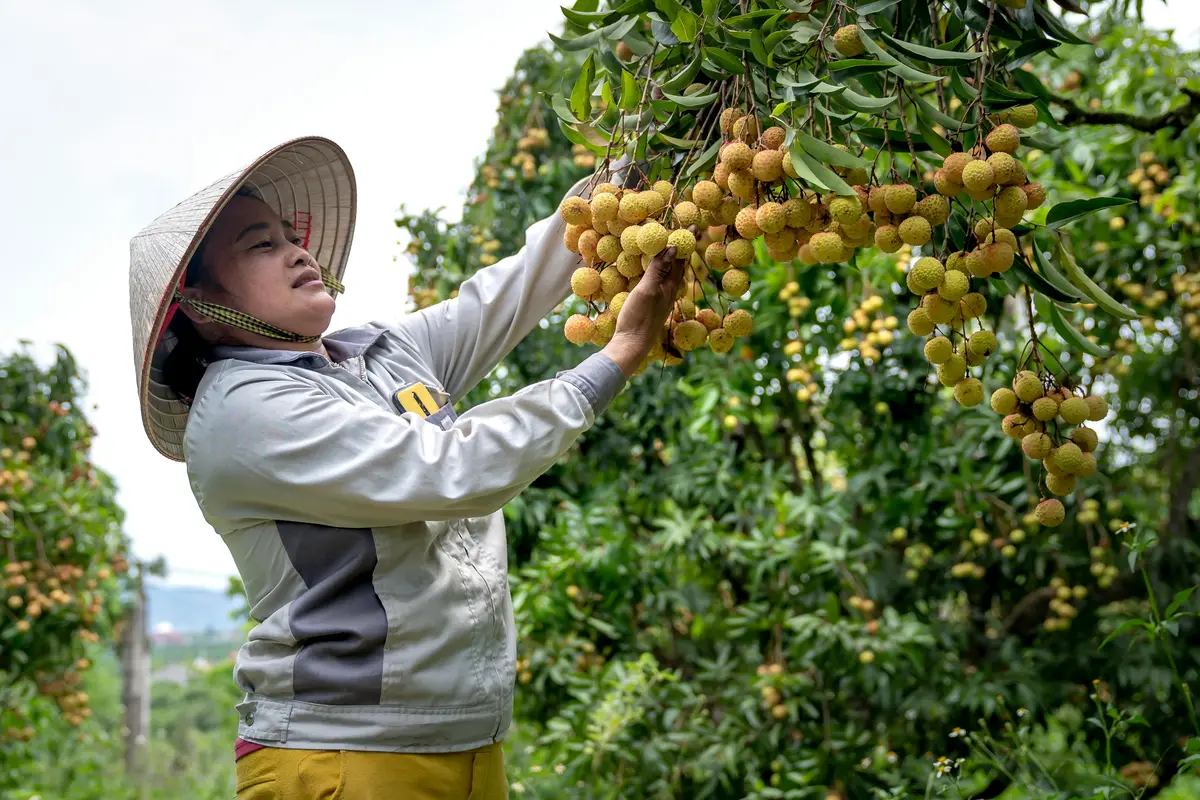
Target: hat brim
[308,181]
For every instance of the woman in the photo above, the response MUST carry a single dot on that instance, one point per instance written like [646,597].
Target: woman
[363,514]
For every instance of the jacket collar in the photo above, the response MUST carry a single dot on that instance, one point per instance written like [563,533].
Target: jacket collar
[341,345]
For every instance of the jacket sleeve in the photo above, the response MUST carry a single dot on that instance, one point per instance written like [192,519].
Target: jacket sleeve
[263,445]
[462,339]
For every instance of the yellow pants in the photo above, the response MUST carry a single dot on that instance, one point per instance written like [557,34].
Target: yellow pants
[283,774]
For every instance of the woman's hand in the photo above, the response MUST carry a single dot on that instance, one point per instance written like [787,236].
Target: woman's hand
[640,323]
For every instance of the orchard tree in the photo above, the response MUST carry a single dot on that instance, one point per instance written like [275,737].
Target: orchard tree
[803,567]
[62,550]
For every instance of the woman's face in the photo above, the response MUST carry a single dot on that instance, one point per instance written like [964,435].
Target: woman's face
[259,268]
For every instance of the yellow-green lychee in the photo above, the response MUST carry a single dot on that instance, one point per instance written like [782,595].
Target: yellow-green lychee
[629,264]
[919,322]
[739,253]
[1068,457]
[686,213]
[707,195]
[585,282]
[689,335]
[609,247]
[1045,408]
[997,257]
[747,223]
[1001,235]
[847,41]
[938,350]
[629,239]
[1060,485]
[737,155]
[767,166]
[714,256]
[684,243]
[652,238]
[916,231]
[1097,407]
[828,247]
[579,329]
[720,340]
[946,187]
[1022,116]
[1086,438]
[925,275]
[1087,468]
[576,211]
[736,282]
[770,218]
[1003,139]
[1017,426]
[845,210]
[957,262]
[633,208]
[606,326]
[1028,386]
[973,305]
[1006,170]
[982,343]
[934,208]
[887,238]
[742,185]
[1036,445]
[739,323]
[900,198]
[611,282]
[978,176]
[1073,410]
[604,207]
[952,370]
[617,303]
[710,319]
[1004,401]
[1010,206]
[968,392]
[1050,513]
[797,212]
[954,286]
[773,137]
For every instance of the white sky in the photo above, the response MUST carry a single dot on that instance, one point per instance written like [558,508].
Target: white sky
[114,111]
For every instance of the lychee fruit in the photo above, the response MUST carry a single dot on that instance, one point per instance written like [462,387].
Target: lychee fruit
[982,342]
[576,211]
[1028,386]
[1097,407]
[737,155]
[1045,408]
[585,282]
[954,286]
[579,329]
[633,208]
[747,223]
[1074,410]
[797,212]
[689,335]
[1004,401]
[1068,457]
[684,243]
[604,207]
[739,323]
[767,166]
[720,340]
[900,198]
[845,210]
[707,195]
[847,41]
[609,247]
[739,253]
[828,247]
[773,138]
[714,256]
[1036,194]
[1060,485]
[1050,513]
[978,176]
[916,231]
[925,275]
[887,238]
[919,322]
[1036,445]
[934,208]
[1086,439]
[652,238]
[1003,139]
[735,282]
[686,214]
[770,218]
[938,350]
[973,305]
[968,392]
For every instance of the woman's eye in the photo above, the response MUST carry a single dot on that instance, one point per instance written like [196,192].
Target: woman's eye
[264,244]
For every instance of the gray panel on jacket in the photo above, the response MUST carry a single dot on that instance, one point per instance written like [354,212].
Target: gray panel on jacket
[339,622]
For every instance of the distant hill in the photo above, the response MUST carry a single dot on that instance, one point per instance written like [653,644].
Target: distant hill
[189,609]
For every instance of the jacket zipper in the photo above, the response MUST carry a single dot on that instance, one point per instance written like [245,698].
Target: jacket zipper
[492,610]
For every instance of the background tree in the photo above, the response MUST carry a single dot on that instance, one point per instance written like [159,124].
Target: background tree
[798,569]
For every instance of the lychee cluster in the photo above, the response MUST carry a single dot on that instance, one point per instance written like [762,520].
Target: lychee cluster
[867,330]
[619,232]
[1062,606]
[1036,411]
[1150,178]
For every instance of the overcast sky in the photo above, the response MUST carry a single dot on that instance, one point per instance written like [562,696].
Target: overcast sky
[114,111]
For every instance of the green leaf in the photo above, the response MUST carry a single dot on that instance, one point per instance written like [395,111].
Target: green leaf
[1090,287]
[773,41]
[662,33]
[854,66]
[709,7]
[704,160]
[1073,338]
[864,103]
[1051,273]
[1124,626]
[1062,213]
[691,101]
[682,79]
[999,96]
[724,59]
[581,95]
[964,90]
[895,137]
[684,144]
[1180,598]
[1052,25]
[875,7]
[1028,49]
[827,153]
[934,115]
[560,106]
[780,108]
[630,95]
[975,14]
[1036,282]
[936,143]
[583,134]
[686,26]
[824,175]
[931,55]
[593,38]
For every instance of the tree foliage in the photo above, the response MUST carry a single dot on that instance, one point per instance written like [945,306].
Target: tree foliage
[794,570]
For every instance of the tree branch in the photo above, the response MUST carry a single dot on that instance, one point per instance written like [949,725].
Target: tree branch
[1176,118]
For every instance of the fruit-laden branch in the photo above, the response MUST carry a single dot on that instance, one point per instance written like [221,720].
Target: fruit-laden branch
[1176,118]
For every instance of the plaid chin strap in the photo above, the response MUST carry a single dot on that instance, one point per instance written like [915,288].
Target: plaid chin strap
[245,322]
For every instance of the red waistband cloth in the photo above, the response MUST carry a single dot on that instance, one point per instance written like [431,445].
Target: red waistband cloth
[243,748]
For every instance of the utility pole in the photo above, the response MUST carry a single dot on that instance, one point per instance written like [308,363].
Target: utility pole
[135,676]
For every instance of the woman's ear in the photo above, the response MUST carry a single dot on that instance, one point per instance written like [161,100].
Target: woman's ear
[198,318]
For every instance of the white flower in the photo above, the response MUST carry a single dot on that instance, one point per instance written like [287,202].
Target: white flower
[1021,712]
[560,768]
[518,787]
[957,733]
[865,763]
[536,768]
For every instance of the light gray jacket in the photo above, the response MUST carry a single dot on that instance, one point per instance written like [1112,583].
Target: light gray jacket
[371,539]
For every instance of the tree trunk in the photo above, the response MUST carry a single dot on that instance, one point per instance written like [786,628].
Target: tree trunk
[135,690]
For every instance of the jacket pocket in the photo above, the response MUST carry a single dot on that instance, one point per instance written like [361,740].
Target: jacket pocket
[279,774]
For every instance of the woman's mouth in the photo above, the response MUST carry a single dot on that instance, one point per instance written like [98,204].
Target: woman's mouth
[307,278]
